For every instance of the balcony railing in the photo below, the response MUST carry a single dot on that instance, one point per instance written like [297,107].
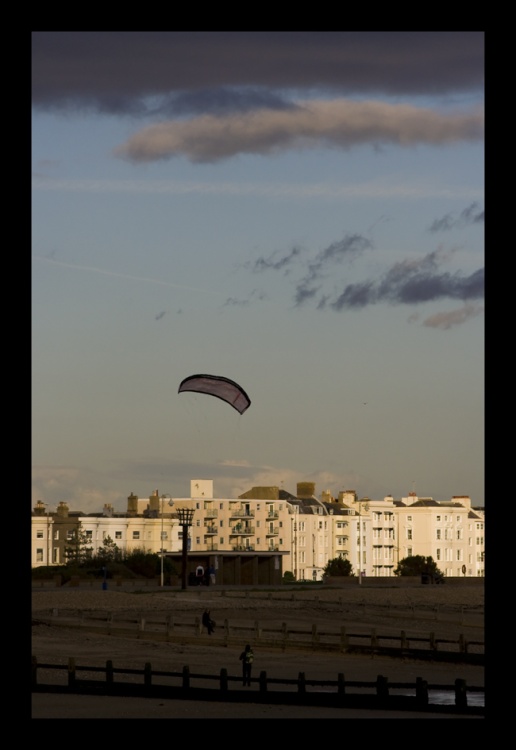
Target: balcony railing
[211,547]
[211,512]
[242,548]
[273,514]
[239,513]
[210,529]
[274,531]
[241,529]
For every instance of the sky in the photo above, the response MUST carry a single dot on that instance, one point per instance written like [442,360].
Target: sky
[300,212]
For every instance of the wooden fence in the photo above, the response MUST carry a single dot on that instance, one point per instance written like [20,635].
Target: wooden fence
[287,636]
[149,683]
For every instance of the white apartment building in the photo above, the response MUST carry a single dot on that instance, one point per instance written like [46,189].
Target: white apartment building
[300,533]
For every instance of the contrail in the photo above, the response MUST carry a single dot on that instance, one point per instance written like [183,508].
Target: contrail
[92,269]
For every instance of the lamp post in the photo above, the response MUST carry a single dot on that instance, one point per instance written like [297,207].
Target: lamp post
[171,503]
[185,517]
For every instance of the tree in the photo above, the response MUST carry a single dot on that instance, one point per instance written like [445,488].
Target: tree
[339,566]
[108,552]
[288,577]
[418,565]
[79,550]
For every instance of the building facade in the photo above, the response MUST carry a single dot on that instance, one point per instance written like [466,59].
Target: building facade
[266,532]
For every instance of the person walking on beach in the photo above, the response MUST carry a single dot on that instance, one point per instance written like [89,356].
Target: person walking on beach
[208,623]
[246,657]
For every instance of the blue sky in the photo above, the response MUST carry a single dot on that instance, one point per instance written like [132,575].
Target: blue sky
[302,212]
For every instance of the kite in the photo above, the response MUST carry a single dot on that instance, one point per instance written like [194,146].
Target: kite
[216,385]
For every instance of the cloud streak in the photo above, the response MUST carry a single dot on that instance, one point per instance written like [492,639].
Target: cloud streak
[312,124]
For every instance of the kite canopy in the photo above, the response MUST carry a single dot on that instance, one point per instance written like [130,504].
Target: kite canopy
[215,385]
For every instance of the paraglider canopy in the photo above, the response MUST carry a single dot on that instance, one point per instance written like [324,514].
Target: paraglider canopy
[216,385]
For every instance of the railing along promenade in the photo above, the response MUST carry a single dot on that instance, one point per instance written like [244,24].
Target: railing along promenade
[149,683]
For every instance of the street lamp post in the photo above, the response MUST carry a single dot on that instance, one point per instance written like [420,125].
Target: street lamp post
[185,517]
[171,503]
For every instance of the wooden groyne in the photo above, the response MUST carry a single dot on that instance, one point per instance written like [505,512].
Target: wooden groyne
[287,636]
[71,678]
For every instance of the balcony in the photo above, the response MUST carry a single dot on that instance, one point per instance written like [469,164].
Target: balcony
[211,529]
[273,548]
[273,514]
[241,513]
[210,547]
[241,529]
[211,512]
[242,548]
[272,531]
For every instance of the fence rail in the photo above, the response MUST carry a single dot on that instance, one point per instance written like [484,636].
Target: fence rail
[264,689]
[285,636]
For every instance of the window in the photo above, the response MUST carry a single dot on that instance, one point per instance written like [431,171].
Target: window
[459,554]
[221,540]
[459,533]
[39,534]
[198,506]
[438,554]
[118,534]
[281,524]
[438,534]
[89,534]
[39,555]
[56,534]
[409,518]
[409,533]
[222,523]
[197,539]
[198,522]
[438,518]
[281,541]
[458,519]
[409,551]
[136,534]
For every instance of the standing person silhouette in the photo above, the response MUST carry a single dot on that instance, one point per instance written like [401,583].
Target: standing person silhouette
[246,657]
[208,623]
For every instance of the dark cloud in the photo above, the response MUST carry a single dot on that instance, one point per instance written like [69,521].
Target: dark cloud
[275,263]
[470,215]
[116,71]
[410,284]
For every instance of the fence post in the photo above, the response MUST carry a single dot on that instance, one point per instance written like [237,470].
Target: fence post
[315,637]
[147,674]
[186,678]
[421,691]
[461,696]
[343,639]
[382,687]
[263,682]
[374,640]
[301,683]
[433,642]
[403,640]
[109,672]
[463,647]
[224,680]
[341,685]
[71,672]
[34,670]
